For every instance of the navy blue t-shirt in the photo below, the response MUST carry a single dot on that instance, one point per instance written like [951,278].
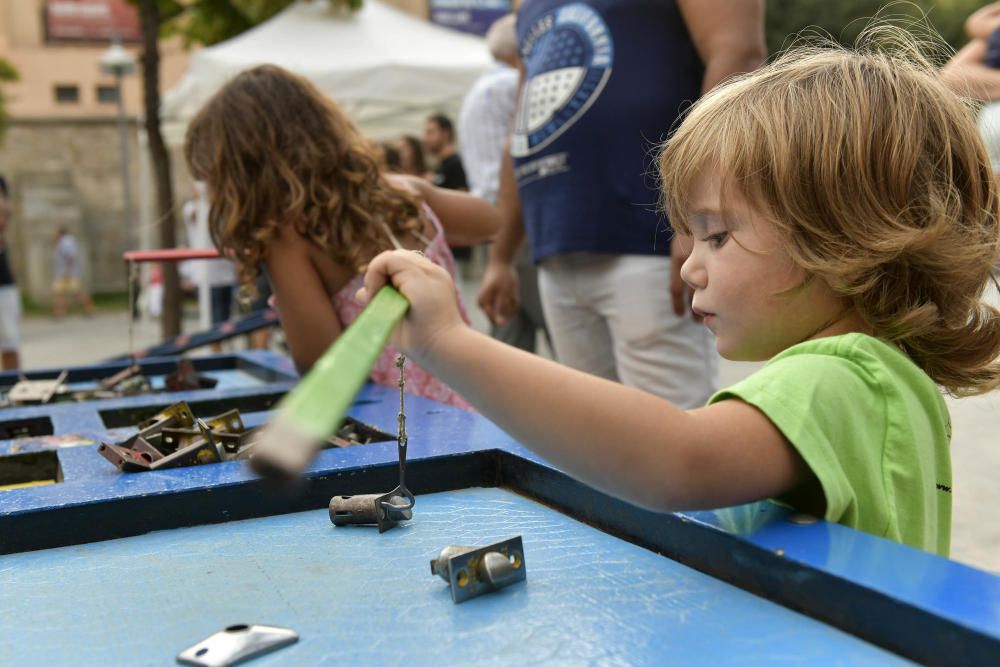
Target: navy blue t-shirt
[606,82]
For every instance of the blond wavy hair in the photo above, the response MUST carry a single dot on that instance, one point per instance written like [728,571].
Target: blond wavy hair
[275,151]
[874,175]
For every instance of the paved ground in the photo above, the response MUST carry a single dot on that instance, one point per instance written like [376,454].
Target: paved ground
[975,446]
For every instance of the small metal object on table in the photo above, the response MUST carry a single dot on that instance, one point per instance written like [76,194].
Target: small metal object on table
[236,644]
[382,509]
[30,392]
[473,571]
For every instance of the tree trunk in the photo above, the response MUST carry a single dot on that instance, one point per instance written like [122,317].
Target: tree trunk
[170,321]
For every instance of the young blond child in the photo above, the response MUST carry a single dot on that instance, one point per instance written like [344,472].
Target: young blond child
[294,187]
[844,221]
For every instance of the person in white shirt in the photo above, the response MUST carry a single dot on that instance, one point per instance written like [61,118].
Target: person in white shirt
[487,115]
[484,125]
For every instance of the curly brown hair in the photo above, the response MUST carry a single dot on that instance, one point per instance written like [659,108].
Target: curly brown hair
[874,175]
[273,150]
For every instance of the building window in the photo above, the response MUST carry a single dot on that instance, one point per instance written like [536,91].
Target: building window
[66,94]
[107,94]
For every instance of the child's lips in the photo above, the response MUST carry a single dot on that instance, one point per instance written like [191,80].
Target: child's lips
[703,315]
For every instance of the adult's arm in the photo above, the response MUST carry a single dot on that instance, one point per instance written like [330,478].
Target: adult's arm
[728,35]
[466,219]
[966,74]
[983,21]
[498,291]
[498,295]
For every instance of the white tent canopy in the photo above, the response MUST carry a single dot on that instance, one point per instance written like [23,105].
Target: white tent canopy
[387,69]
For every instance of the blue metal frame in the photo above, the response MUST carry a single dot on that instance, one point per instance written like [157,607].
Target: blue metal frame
[915,604]
[259,319]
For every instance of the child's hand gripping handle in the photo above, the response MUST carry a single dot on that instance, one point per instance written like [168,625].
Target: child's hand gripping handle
[314,409]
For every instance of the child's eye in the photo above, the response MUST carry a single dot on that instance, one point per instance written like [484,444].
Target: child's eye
[716,240]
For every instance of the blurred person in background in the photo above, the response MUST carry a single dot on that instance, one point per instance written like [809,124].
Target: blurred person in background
[10,299]
[485,123]
[219,274]
[66,282]
[390,157]
[439,138]
[603,83]
[411,156]
[975,72]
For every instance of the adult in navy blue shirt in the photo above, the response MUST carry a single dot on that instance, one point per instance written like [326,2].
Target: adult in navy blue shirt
[603,83]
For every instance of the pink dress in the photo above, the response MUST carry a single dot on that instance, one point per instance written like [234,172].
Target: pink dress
[418,381]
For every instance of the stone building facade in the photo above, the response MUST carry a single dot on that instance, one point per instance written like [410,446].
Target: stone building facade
[62,153]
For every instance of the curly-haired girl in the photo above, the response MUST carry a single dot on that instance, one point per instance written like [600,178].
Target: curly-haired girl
[844,222]
[294,187]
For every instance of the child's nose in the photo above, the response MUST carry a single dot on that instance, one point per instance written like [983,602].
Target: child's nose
[693,273]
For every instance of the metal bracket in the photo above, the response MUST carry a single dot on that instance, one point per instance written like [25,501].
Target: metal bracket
[35,391]
[125,459]
[473,571]
[175,437]
[178,415]
[196,453]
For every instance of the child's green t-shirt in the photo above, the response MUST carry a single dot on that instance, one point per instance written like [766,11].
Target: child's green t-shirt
[872,427]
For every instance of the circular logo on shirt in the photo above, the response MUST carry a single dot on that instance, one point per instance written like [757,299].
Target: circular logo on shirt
[567,54]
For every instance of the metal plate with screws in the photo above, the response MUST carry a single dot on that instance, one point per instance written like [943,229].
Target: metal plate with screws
[473,571]
[29,392]
[236,644]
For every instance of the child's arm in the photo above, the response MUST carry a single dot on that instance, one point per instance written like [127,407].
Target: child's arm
[303,304]
[622,440]
[467,219]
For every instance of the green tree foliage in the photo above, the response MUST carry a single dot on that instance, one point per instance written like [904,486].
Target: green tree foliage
[843,20]
[7,73]
[208,22]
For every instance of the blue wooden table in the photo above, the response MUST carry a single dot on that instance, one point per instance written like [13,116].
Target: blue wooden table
[109,568]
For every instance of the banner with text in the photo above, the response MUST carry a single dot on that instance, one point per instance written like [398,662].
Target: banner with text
[475,16]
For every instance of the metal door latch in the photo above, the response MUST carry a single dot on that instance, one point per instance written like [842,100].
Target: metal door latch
[236,644]
[383,509]
[473,571]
